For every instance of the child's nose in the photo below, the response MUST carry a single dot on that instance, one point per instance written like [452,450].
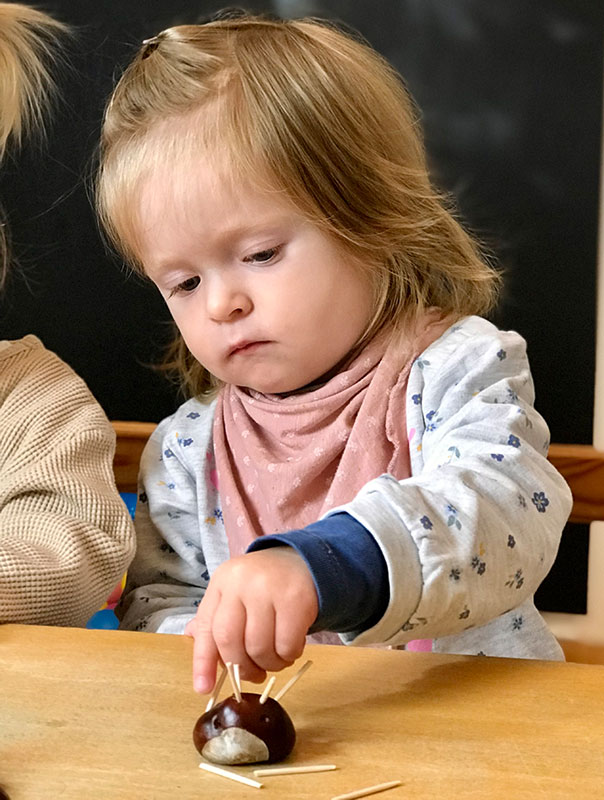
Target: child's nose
[226,301]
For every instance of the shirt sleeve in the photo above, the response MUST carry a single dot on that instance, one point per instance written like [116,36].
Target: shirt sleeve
[66,537]
[347,567]
[169,575]
[476,528]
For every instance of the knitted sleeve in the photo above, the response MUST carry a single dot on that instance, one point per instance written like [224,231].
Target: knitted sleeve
[65,534]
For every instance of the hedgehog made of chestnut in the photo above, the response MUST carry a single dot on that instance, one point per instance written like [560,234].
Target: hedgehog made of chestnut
[244,731]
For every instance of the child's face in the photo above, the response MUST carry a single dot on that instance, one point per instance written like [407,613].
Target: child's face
[262,297]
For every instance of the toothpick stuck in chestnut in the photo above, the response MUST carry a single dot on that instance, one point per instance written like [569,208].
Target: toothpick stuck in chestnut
[246,728]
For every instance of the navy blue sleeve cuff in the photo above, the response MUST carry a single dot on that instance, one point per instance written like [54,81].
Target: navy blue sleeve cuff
[348,569]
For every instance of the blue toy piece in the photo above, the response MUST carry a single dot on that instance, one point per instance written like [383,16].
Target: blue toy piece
[104,620]
[129,499]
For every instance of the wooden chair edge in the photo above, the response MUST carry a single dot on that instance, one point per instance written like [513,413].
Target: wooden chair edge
[131,438]
[582,466]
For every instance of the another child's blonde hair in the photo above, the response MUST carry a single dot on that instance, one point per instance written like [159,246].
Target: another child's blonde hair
[27,38]
[305,109]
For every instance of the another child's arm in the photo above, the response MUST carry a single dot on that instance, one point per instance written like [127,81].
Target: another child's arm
[65,534]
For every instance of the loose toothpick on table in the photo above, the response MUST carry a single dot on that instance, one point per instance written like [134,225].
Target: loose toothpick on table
[234,681]
[259,773]
[225,773]
[380,787]
[217,688]
[292,680]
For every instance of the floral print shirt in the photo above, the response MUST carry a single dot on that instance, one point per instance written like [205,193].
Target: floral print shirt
[467,538]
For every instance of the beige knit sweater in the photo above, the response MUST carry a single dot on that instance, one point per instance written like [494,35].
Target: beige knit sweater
[65,534]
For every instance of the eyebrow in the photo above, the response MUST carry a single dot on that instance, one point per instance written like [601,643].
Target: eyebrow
[251,228]
[234,232]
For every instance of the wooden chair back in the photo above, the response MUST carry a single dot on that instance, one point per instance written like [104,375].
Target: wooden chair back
[583,468]
[131,439]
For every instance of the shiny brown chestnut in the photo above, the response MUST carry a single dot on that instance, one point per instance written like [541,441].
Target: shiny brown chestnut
[245,731]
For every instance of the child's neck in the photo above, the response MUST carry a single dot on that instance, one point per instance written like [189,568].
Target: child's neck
[343,364]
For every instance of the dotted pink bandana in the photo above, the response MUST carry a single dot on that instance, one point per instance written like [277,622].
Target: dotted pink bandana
[285,461]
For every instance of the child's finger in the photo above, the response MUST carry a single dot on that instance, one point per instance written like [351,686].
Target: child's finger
[260,637]
[291,626]
[205,661]
[290,640]
[228,629]
[205,652]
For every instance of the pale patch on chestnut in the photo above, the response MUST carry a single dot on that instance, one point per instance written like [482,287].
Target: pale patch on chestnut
[245,731]
[235,746]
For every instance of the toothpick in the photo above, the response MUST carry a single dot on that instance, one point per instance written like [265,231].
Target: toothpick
[237,678]
[291,681]
[259,773]
[233,680]
[267,689]
[217,688]
[225,773]
[380,787]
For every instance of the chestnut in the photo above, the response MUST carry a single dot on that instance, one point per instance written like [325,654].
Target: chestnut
[244,731]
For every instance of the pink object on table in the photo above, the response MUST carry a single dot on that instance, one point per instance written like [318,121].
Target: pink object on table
[419,645]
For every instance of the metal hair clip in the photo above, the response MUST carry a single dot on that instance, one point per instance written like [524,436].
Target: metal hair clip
[151,45]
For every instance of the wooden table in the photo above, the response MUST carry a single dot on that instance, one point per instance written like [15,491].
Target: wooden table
[95,715]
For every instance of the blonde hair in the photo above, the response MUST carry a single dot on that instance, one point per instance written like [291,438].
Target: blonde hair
[27,38]
[314,113]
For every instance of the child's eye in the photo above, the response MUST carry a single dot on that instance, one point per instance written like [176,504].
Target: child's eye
[186,286]
[263,256]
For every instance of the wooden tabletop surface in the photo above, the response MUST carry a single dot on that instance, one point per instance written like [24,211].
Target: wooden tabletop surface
[108,715]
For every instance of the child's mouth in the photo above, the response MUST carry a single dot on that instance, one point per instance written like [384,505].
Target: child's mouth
[242,348]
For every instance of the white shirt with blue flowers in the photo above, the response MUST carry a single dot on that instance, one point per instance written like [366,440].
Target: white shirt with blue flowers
[467,538]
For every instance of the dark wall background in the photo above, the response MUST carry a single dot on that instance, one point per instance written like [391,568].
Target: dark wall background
[511,98]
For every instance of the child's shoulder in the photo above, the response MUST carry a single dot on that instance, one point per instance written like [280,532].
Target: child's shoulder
[28,348]
[191,414]
[29,369]
[473,337]
[186,434]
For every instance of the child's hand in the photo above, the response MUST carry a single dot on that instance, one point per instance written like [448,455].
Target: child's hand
[256,612]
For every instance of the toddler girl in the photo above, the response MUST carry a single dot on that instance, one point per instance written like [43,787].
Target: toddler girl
[360,454]
[65,534]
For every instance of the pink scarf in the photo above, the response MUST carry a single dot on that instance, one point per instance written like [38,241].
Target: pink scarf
[283,462]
